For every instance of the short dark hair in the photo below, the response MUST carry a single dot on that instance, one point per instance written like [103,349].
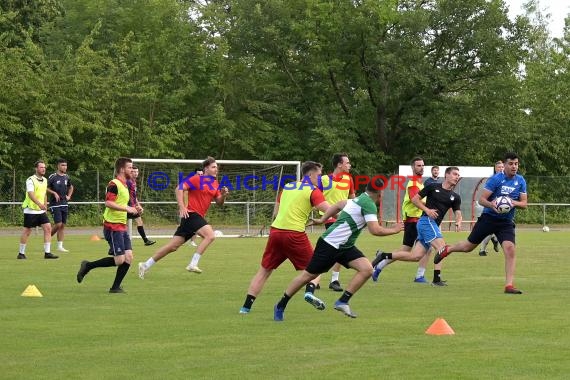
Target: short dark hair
[38,162]
[208,161]
[337,159]
[450,169]
[435,167]
[135,167]
[198,170]
[61,161]
[309,166]
[375,186]
[121,163]
[414,160]
[511,156]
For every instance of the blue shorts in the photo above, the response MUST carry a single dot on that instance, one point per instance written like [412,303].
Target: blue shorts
[428,231]
[119,241]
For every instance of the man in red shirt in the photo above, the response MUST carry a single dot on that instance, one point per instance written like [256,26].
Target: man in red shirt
[201,190]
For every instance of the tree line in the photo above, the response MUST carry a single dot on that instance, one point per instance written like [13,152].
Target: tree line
[455,81]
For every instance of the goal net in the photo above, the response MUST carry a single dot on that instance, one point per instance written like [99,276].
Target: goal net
[247,211]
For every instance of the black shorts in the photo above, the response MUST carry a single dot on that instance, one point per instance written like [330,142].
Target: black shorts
[189,226]
[410,234]
[34,220]
[119,241]
[504,229]
[325,256]
[133,216]
[59,214]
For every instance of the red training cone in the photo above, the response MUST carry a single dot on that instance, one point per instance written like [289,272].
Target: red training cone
[440,327]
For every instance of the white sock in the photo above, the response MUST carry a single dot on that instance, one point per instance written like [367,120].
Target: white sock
[150,262]
[334,276]
[47,247]
[22,249]
[195,259]
[421,272]
[382,264]
[60,244]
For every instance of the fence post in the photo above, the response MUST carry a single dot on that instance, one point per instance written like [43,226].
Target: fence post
[247,217]
[543,215]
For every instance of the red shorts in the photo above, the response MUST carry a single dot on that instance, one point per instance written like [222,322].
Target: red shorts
[286,244]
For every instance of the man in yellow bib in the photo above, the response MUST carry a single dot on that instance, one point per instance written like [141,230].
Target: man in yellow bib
[115,227]
[35,206]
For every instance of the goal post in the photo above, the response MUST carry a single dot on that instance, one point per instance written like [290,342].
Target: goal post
[254,186]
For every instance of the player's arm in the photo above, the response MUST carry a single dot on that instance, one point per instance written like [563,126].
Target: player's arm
[52,192]
[221,197]
[377,230]
[484,200]
[417,201]
[522,202]
[70,190]
[111,198]
[180,190]
[458,220]
[330,212]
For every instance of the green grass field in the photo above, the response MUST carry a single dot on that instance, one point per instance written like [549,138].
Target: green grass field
[176,324]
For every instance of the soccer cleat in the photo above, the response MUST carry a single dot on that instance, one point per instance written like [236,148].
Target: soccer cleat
[441,254]
[317,303]
[61,249]
[335,285]
[378,258]
[117,290]
[482,253]
[439,283]
[344,308]
[149,242]
[192,269]
[21,256]
[142,270]
[82,271]
[278,314]
[421,280]
[512,290]
[496,245]
[48,255]
[193,244]
[376,274]
[244,310]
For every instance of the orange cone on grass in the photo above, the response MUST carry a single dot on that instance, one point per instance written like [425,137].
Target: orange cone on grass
[95,238]
[440,327]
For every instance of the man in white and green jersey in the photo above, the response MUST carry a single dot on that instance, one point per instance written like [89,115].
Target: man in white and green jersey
[336,245]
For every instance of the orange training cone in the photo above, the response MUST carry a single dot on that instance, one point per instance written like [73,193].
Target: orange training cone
[95,238]
[440,327]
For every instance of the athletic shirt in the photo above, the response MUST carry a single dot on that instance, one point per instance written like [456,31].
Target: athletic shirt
[440,199]
[118,192]
[500,184]
[351,220]
[132,186]
[60,184]
[409,210]
[296,202]
[39,187]
[336,188]
[201,191]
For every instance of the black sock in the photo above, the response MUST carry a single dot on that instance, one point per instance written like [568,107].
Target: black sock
[101,263]
[283,302]
[436,275]
[387,256]
[310,288]
[345,297]
[494,240]
[248,301]
[141,232]
[121,273]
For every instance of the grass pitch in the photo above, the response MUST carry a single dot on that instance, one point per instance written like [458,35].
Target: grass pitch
[176,324]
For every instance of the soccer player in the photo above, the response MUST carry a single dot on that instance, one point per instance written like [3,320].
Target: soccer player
[411,215]
[440,197]
[61,190]
[134,202]
[434,176]
[287,237]
[201,191]
[115,227]
[337,186]
[35,206]
[508,183]
[336,245]
[499,168]
[197,171]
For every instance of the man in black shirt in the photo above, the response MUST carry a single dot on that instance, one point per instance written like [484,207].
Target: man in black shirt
[440,197]
[61,190]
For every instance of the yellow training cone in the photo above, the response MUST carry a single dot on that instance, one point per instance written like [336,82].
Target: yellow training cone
[31,291]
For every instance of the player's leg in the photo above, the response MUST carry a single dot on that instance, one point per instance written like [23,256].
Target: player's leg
[294,286]
[355,259]
[26,232]
[123,263]
[506,235]
[438,244]
[207,232]
[335,282]
[64,212]
[483,246]
[46,227]
[116,248]
[141,231]
[482,228]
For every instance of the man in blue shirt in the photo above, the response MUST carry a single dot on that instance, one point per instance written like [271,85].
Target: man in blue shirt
[61,190]
[510,184]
